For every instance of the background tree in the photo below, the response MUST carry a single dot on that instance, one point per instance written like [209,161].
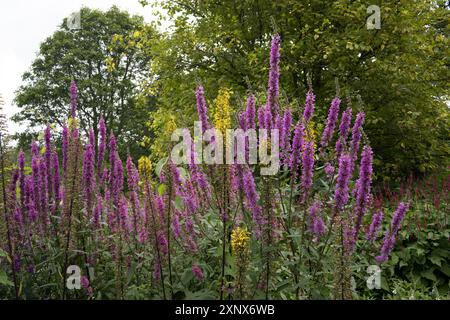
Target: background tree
[107,76]
[400,71]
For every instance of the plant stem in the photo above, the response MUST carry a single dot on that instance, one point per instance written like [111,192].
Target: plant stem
[8,229]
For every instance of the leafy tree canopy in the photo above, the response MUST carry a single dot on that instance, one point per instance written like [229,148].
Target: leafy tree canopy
[108,73]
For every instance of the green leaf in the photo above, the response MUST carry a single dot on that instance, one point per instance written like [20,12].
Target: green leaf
[161,188]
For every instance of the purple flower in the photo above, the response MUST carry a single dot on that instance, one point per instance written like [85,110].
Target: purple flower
[309,106]
[65,147]
[285,135]
[29,199]
[375,226]
[390,237]
[162,242]
[202,108]
[21,165]
[132,175]
[89,175]
[363,186]
[252,197]
[123,218]
[344,127]
[48,157]
[73,99]
[250,112]
[297,146]
[341,190]
[98,212]
[307,167]
[56,178]
[197,272]
[101,146]
[34,149]
[333,113]
[274,76]
[329,169]
[356,134]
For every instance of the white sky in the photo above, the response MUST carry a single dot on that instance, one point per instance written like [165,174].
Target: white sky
[24,24]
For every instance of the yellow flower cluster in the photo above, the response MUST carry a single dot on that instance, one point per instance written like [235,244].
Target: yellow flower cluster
[240,239]
[145,166]
[222,114]
[170,125]
[310,133]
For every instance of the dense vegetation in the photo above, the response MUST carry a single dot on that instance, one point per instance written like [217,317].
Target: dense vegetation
[352,108]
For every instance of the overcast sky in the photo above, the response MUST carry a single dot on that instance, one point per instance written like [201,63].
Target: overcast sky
[24,24]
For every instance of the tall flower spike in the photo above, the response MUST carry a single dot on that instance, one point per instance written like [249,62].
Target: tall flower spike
[390,237]
[48,158]
[356,134]
[274,76]
[202,108]
[250,112]
[363,186]
[252,197]
[333,113]
[73,99]
[309,106]
[65,147]
[375,226]
[101,145]
[344,127]
[56,178]
[307,167]
[89,175]
[21,165]
[341,189]
[297,146]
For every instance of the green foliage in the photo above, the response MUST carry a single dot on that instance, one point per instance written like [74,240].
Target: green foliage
[400,71]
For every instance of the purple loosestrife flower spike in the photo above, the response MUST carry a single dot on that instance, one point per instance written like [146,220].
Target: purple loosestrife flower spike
[261,117]
[98,212]
[34,149]
[333,113]
[29,199]
[390,237]
[363,186]
[252,197]
[112,156]
[92,139]
[297,146]
[274,76]
[375,226]
[43,194]
[344,127]
[202,108]
[73,99]
[356,134]
[250,112]
[307,167]
[21,165]
[101,146]
[56,178]
[48,158]
[329,169]
[309,106]
[89,175]
[65,147]
[341,189]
